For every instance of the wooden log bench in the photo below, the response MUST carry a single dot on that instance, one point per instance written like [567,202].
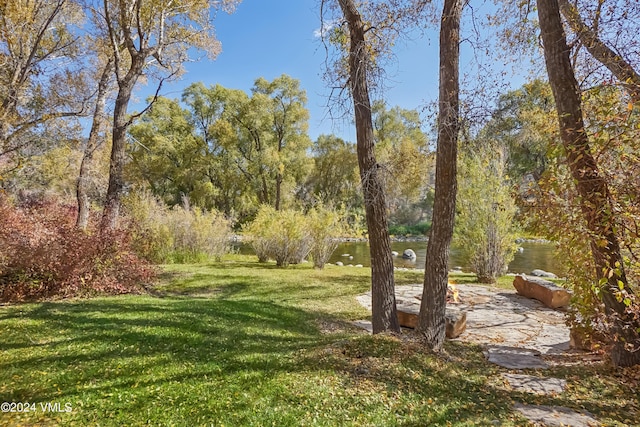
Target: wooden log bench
[455,320]
[548,293]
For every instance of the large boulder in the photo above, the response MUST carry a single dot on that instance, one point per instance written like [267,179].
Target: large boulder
[409,254]
[548,293]
[455,323]
[541,273]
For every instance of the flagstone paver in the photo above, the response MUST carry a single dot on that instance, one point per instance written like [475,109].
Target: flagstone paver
[556,416]
[515,357]
[535,385]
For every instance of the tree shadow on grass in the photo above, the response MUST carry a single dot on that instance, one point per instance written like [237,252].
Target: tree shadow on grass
[430,389]
[251,265]
[201,290]
[97,349]
[113,347]
[296,285]
[463,388]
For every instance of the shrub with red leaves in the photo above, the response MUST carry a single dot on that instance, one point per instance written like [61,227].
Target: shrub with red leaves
[43,255]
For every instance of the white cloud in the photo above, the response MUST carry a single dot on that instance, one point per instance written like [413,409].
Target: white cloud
[326,27]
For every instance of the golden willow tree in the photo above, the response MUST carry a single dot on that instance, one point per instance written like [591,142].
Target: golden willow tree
[40,72]
[595,198]
[150,38]
[589,192]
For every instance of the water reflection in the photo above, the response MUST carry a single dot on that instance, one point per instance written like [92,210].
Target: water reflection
[535,255]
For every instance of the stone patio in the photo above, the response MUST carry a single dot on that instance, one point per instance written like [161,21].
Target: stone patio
[517,333]
[497,317]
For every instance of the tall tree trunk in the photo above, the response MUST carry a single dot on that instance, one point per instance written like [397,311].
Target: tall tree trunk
[118,152]
[383,307]
[92,145]
[263,195]
[278,190]
[621,69]
[434,294]
[595,199]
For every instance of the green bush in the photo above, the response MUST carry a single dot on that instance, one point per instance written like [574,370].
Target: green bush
[280,235]
[288,236]
[178,235]
[398,230]
[326,227]
[420,229]
[262,247]
[151,235]
[484,229]
[198,234]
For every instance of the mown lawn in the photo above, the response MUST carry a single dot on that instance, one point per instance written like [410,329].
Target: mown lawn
[239,343]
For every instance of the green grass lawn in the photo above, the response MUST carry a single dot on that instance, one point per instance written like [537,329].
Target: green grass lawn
[239,343]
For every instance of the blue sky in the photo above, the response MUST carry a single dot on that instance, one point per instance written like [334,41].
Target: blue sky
[269,38]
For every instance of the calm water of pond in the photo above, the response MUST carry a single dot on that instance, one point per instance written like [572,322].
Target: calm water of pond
[534,255]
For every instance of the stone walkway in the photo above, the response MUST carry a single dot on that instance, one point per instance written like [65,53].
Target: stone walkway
[517,333]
